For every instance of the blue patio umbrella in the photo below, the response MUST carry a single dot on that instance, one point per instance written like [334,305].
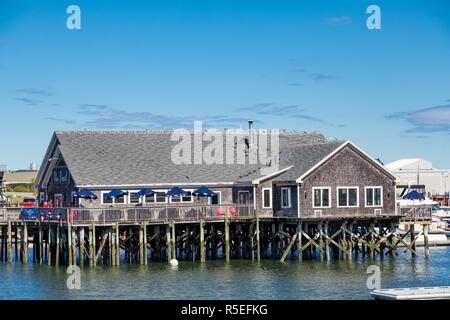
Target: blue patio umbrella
[145,192]
[203,192]
[85,194]
[116,193]
[414,195]
[176,192]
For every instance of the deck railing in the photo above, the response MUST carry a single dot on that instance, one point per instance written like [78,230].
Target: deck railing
[138,214]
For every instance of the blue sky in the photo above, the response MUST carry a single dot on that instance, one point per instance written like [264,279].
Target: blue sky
[303,65]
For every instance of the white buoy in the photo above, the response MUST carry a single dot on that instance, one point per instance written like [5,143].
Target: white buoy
[173,262]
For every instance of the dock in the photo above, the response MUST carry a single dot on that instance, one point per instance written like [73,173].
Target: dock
[112,236]
[419,293]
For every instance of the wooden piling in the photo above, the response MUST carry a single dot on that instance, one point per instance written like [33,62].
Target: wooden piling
[24,243]
[372,240]
[202,242]
[227,240]
[74,246]
[425,240]
[81,246]
[174,241]
[299,241]
[41,243]
[327,244]
[69,244]
[320,229]
[49,245]
[91,245]
[117,244]
[413,238]
[112,246]
[144,234]
[350,242]
[168,243]
[141,245]
[393,240]
[57,250]
[258,239]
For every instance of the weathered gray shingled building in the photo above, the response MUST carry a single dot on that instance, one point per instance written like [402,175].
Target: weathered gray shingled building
[315,176]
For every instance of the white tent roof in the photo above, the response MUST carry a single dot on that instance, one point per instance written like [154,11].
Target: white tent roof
[410,164]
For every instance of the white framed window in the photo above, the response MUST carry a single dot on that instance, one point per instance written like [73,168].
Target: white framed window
[321,197]
[184,199]
[215,200]
[347,197]
[120,200]
[267,198]
[103,198]
[159,196]
[132,198]
[286,197]
[373,196]
[189,198]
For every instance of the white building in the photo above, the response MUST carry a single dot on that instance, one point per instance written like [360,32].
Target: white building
[421,172]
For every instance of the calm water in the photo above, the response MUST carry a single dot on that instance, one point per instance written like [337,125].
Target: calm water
[219,280]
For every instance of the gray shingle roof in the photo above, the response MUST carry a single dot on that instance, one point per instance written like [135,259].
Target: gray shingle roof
[144,157]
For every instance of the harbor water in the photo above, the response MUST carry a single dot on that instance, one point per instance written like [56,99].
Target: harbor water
[238,279]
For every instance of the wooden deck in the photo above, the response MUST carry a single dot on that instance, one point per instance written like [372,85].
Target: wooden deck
[99,235]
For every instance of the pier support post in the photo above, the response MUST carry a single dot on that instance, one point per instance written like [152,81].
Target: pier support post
[299,241]
[258,239]
[393,240]
[69,243]
[372,240]
[145,242]
[212,242]
[91,247]
[168,243]
[344,241]
[141,245]
[57,250]
[49,245]
[9,241]
[327,244]
[273,243]
[321,240]
[41,243]
[74,247]
[227,240]
[425,240]
[112,246]
[350,241]
[117,244]
[81,240]
[174,241]
[412,238]
[202,242]
[25,243]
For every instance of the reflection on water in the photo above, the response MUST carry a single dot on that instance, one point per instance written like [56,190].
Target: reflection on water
[239,279]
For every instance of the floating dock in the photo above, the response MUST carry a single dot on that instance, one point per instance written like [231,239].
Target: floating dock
[419,293]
